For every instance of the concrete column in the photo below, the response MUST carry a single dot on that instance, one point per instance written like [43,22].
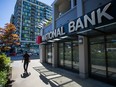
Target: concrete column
[54,45]
[83,57]
[55,15]
[72,4]
[54,54]
[79,8]
[42,53]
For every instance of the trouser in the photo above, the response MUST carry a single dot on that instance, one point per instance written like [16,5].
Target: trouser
[25,66]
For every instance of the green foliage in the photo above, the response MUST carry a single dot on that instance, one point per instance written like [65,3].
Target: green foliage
[4,62]
[4,68]
[3,77]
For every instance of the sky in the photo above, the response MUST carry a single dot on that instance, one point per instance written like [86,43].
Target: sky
[7,9]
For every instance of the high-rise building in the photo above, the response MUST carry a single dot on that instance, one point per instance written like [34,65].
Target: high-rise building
[12,19]
[27,17]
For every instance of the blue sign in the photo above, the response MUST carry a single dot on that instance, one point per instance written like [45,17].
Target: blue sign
[98,17]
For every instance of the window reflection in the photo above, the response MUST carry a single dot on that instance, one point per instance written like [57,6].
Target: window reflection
[103,56]
[68,54]
[61,53]
[98,56]
[98,59]
[75,55]
[111,52]
[49,53]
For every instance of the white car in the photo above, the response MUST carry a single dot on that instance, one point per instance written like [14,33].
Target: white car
[30,53]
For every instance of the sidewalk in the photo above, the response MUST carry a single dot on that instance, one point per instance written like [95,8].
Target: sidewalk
[46,76]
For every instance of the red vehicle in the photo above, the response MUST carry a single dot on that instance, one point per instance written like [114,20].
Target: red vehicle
[13,54]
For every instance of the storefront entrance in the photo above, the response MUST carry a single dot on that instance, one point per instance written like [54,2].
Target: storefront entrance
[103,58]
[69,55]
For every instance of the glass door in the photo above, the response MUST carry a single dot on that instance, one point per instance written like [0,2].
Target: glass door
[69,55]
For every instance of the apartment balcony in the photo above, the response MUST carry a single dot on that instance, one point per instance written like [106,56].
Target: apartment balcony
[32,24]
[19,16]
[33,8]
[66,17]
[18,24]
[32,14]
[19,8]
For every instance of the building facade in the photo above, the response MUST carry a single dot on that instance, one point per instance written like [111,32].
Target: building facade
[82,38]
[27,16]
[12,19]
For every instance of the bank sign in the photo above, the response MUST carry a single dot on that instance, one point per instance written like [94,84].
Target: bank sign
[99,17]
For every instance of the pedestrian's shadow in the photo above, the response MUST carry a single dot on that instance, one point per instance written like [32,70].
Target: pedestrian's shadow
[25,74]
[47,81]
[43,78]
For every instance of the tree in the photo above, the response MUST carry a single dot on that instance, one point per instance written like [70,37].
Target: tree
[8,37]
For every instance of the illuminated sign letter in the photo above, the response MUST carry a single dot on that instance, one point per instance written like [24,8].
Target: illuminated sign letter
[62,30]
[79,24]
[87,19]
[102,13]
[71,26]
[58,32]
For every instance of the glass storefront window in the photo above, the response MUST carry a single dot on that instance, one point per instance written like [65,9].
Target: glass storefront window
[75,2]
[49,53]
[103,56]
[68,53]
[97,50]
[98,59]
[111,54]
[61,54]
[75,55]
[97,40]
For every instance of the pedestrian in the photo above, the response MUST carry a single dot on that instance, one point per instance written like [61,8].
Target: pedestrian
[26,61]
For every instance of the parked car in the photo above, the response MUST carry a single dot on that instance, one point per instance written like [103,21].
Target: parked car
[30,53]
[13,54]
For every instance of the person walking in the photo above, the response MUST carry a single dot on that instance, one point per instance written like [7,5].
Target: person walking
[26,59]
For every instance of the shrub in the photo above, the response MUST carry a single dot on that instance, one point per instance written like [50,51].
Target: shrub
[3,77]
[4,69]
[4,62]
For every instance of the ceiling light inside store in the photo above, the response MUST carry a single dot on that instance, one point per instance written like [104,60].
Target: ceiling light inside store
[64,37]
[50,40]
[84,31]
[44,43]
[57,39]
